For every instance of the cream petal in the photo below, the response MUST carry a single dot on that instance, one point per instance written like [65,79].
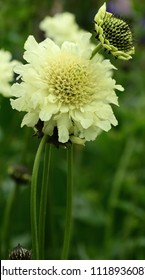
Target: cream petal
[68,47]
[47,111]
[63,134]
[104,125]
[49,44]
[49,127]
[103,111]
[91,133]
[63,124]
[119,87]
[38,54]
[18,104]
[30,119]
[86,118]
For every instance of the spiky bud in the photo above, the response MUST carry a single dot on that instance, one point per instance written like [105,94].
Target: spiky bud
[20,253]
[114,34]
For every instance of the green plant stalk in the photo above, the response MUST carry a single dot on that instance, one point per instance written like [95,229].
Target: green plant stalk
[43,199]
[68,222]
[115,192]
[96,50]
[52,236]
[5,235]
[33,202]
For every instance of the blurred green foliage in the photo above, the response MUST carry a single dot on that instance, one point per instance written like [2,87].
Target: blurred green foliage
[109,173]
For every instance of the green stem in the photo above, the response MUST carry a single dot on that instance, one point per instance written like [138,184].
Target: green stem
[115,192]
[43,200]
[33,203]
[96,50]
[5,236]
[52,236]
[68,223]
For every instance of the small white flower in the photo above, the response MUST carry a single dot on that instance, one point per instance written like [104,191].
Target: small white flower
[65,90]
[6,72]
[61,27]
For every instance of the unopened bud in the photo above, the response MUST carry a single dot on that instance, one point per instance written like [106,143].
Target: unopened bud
[20,253]
[114,34]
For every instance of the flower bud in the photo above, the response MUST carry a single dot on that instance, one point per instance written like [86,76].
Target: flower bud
[114,34]
[20,253]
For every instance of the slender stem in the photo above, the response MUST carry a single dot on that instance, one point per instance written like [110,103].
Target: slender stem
[33,206]
[97,49]
[5,235]
[52,235]
[43,199]
[115,192]
[68,223]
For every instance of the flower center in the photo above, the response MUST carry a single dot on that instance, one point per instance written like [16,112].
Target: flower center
[69,79]
[117,32]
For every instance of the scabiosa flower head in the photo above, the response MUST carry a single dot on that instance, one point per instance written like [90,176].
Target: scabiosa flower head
[61,27]
[6,72]
[114,34]
[64,92]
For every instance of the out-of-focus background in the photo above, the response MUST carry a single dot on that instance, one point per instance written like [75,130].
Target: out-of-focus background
[109,173]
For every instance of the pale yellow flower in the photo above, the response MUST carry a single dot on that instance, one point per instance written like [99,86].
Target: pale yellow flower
[114,34]
[6,72]
[65,90]
[62,27]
